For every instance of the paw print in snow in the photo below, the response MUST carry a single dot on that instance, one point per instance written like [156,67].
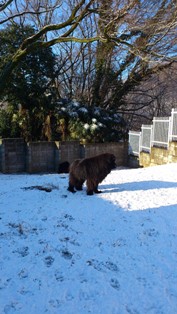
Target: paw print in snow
[115,284]
[49,261]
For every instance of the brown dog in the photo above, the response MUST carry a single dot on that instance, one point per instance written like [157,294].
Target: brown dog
[93,170]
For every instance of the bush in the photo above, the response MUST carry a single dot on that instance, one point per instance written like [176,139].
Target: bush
[92,124]
[8,125]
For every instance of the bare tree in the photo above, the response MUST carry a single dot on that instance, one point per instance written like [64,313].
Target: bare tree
[144,47]
[76,63]
[66,29]
[142,35]
[154,97]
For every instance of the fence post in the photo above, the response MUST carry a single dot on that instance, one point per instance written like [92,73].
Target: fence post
[153,130]
[170,129]
[146,137]
[161,131]
[173,125]
[134,143]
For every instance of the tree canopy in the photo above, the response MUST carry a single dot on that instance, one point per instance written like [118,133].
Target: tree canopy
[33,74]
[104,49]
[27,93]
[142,32]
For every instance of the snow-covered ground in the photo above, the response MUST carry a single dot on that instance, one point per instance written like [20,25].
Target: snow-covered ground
[111,253]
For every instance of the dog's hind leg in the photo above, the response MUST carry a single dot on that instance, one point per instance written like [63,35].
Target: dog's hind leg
[78,185]
[71,184]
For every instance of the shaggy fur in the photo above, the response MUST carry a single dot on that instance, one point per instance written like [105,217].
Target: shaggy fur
[93,170]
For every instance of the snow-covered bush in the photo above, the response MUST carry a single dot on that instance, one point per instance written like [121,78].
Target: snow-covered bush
[92,124]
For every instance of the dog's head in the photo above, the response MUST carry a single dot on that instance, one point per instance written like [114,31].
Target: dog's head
[111,160]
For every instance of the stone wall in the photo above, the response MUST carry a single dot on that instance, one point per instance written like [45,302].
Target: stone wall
[159,156]
[16,156]
[69,150]
[41,157]
[119,149]
[172,157]
[13,156]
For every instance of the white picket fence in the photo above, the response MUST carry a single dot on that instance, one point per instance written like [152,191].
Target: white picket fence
[160,133]
[173,126]
[145,137]
[134,143]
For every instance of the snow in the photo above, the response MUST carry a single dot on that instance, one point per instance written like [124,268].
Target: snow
[111,253]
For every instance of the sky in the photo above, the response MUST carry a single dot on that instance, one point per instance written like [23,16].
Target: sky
[110,253]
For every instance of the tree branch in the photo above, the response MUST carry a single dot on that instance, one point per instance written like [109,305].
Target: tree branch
[5,5]
[24,13]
